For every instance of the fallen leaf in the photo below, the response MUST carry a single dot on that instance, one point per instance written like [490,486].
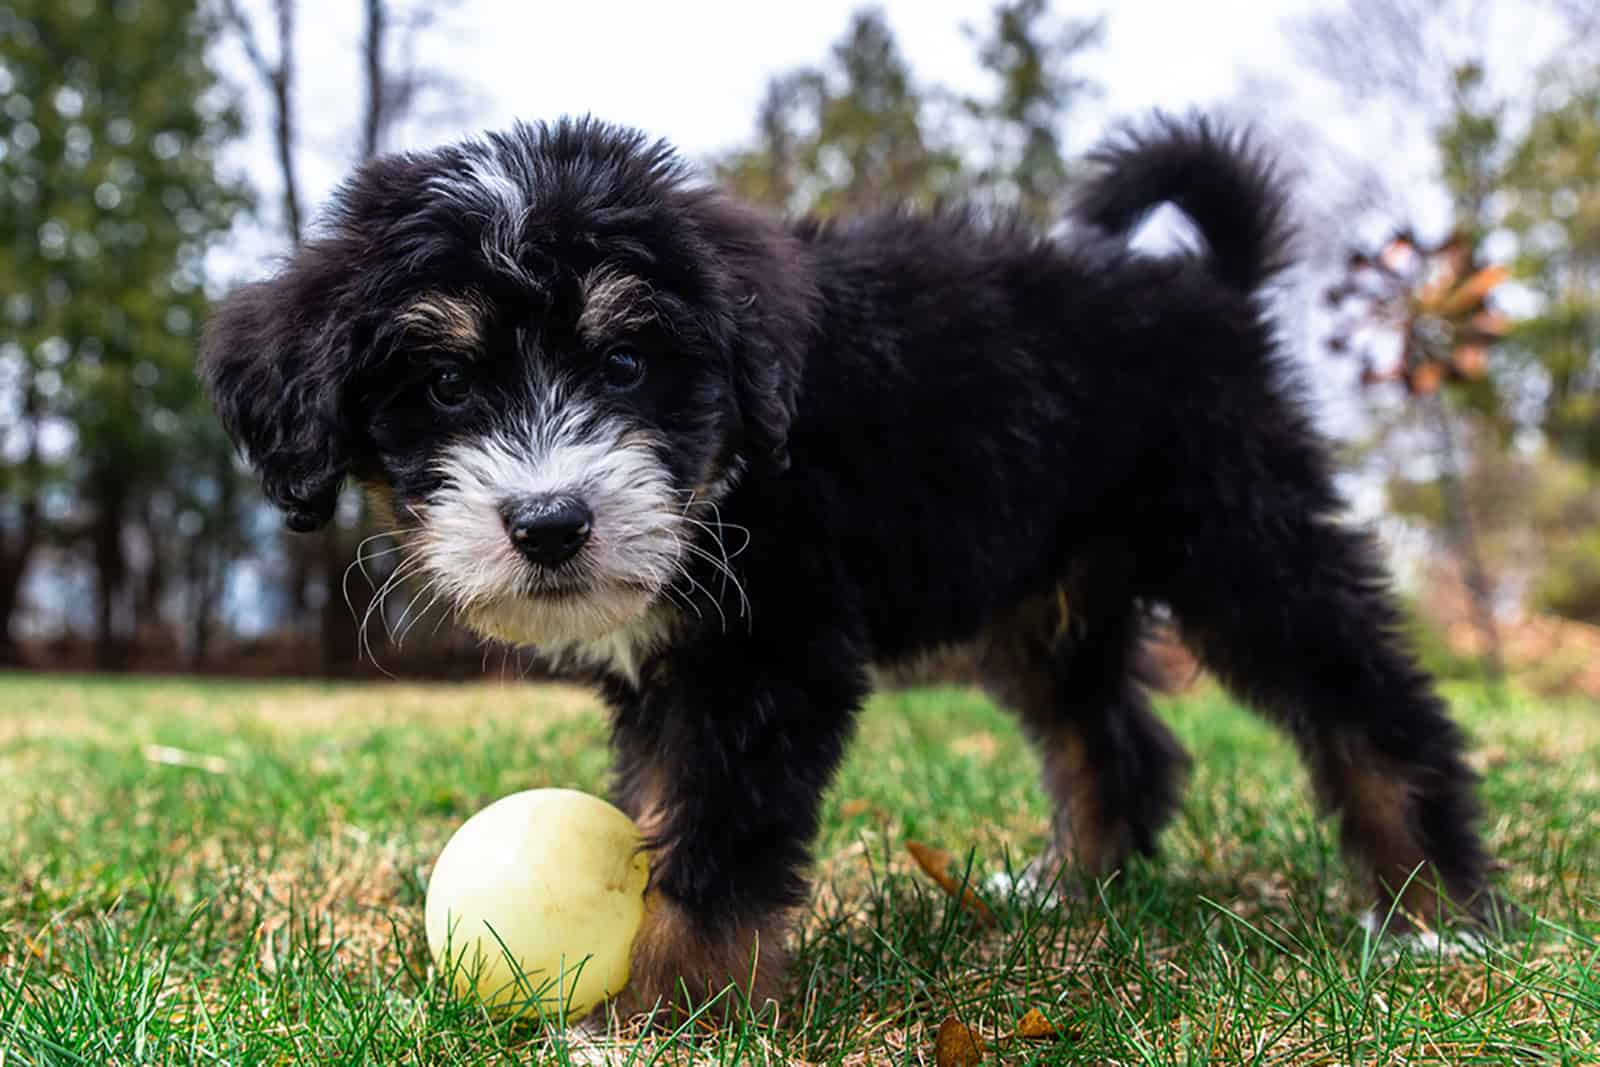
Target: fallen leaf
[1034,1026]
[956,1045]
[936,864]
[851,808]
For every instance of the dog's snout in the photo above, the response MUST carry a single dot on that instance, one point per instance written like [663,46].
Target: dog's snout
[548,529]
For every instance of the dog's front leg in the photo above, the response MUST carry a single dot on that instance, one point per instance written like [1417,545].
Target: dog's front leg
[722,759]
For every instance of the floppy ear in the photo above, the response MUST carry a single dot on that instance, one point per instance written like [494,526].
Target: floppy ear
[772,291]
[276,363]
[279,356]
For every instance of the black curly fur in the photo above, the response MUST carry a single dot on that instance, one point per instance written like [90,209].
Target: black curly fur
[1217,176]
[945,422]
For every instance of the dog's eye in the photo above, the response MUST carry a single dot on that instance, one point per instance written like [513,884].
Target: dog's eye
[450,389]
[624,369]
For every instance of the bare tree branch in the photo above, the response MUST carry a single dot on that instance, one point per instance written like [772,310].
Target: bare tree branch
[278,77]
[379,92]
[1374,48]
[397,82]
[246,34]
[1583,16]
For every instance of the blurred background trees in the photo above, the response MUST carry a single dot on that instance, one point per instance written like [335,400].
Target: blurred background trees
[859,130]
[1482,368]
[852,132]
[110,198]
[130,537]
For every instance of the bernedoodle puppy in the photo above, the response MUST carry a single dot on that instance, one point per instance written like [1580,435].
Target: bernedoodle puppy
[720,463]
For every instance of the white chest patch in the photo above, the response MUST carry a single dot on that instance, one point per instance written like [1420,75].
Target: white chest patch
[622,651]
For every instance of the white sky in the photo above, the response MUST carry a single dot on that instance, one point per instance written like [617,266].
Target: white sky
[693,71]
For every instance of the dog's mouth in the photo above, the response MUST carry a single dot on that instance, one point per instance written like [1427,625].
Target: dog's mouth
[552,615]
[554,586]
[560,594]
[566,590]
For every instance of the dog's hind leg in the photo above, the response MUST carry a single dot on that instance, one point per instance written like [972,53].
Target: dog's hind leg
[1291,610]
[1069,667]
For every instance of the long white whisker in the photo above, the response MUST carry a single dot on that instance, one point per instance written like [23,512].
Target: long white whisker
[721,526]
[368,557]
[364,631]
[727,572]
[402,542]
[359,563]
[400,574]
[715,533]
[407,566]
[375,604]
[404,628]
[695,585]
[678,596]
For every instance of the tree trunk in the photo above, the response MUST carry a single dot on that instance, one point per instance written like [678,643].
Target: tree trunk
[281,81]
[110,564]
[16,552]
[1458,520]
[152,588]
[14,556]
[210,578]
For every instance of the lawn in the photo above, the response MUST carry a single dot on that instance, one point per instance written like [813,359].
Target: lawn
[225,873]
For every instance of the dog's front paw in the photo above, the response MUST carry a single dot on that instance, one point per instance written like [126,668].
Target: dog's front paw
[1052,873]
[682,964]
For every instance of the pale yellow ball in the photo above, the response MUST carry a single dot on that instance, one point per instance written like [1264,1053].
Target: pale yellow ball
[554,879]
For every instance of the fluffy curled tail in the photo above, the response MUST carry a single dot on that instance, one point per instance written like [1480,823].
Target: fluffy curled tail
[1218,177]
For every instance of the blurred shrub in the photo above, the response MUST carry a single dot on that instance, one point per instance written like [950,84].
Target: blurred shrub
[1570,584]
[1429,637]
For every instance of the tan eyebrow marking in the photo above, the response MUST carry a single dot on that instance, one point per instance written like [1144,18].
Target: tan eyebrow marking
[613,302]
[452,321]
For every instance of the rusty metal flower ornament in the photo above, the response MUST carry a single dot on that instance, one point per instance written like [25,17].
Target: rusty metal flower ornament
[1431,299]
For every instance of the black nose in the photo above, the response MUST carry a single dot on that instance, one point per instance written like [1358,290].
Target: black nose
[547,529]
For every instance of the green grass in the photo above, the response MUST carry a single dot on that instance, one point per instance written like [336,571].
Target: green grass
[219,873]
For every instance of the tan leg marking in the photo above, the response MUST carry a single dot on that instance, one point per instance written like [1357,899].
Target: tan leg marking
[679,963]
[1377,808]
[1086,840]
